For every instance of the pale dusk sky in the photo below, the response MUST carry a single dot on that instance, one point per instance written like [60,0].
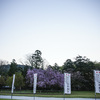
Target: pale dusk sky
[60,29]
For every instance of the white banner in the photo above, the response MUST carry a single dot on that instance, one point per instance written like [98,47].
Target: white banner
[13,83]
[67,83]
[35,83]
[97,81]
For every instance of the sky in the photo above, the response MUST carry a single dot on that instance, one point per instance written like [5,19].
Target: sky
[60,29]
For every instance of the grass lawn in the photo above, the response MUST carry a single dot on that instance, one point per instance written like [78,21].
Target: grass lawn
[74,94]
[7,99]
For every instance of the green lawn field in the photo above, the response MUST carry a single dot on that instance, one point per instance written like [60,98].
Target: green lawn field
[7,99]
[74,94]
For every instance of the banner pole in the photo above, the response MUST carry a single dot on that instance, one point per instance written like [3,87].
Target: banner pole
[34,85]
[64,96]
[94,84]
[95,95]
[97,81]
[12,89]
[33,96]
[11,95]
[64,87]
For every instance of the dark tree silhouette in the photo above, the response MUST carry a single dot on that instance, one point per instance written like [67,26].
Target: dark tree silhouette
[37,59]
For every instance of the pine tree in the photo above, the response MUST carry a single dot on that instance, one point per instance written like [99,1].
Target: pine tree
[13,68]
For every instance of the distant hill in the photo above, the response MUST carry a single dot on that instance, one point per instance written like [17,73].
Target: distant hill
[5,68]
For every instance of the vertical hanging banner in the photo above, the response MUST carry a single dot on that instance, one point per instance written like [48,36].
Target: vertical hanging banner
[97,81]
[67,83]
[35,83]
[13,83]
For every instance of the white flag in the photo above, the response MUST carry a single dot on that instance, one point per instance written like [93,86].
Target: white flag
[35,83]
[67,83]
[97,81]
[13,83]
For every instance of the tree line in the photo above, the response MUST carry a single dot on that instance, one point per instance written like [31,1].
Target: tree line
[81,70]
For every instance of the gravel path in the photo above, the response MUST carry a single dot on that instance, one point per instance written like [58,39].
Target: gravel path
[43,98]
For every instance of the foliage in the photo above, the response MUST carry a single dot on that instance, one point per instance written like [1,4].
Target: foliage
[29,60]
[77,81]
[25,69]
[4,70]
[46,78]
[18,80]
[13,68]
[2,81]
[82,73]
[9,81]
[81,70]
[37,59]
[68,66]
[56,67]
[86,67]
[4,67]
[97,65]
[3,62]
